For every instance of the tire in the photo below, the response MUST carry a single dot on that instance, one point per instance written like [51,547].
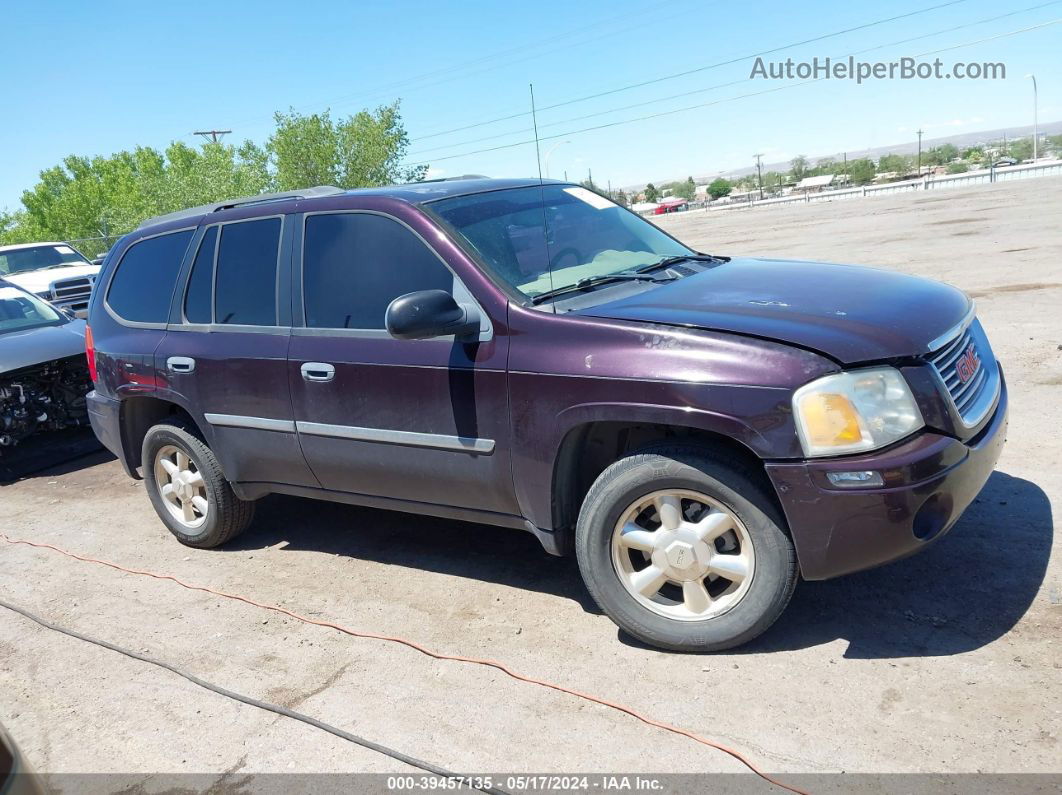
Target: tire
[741,609]
[226,515]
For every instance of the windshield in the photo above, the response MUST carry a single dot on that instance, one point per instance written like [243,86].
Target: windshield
[35,258]
[523,233]
[20,310]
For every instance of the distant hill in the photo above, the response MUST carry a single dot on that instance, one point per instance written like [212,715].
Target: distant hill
[961,140]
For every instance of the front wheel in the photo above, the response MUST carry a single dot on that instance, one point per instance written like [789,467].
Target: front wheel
[684,550]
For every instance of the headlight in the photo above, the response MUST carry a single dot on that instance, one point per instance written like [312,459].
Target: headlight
[855,411]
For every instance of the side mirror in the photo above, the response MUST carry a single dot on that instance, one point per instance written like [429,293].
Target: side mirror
[430,313]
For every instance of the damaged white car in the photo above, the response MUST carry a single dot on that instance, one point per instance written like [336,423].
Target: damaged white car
[43,371]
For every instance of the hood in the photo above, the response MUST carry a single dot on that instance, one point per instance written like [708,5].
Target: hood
[38,345]
[850,313]
[41,281]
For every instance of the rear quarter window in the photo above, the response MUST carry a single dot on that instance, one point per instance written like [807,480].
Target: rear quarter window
[143,282]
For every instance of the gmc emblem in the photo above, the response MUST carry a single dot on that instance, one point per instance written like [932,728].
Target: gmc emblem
[968,364]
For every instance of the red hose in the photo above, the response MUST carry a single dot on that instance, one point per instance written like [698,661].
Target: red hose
[430,653]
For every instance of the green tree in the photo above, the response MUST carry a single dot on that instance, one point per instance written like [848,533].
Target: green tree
[901,164]
[974,154]
[861,172]
[685,190]
[651,193]
[622,199]
[1021,149]
[719,187]
[798,167]
[361,150]
[108,196]
[957,168]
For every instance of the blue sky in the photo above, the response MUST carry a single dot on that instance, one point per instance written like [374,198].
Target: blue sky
[95,78]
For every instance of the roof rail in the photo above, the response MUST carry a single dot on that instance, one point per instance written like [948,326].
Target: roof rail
[448,179]
[262,198]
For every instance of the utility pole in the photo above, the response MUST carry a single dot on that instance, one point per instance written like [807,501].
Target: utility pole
[215,135]
[920,151]
[845,155]
[759,175]
[1036,132]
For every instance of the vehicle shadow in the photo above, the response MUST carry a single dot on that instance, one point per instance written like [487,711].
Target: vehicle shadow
[961,593]
[51,454]
[461,549]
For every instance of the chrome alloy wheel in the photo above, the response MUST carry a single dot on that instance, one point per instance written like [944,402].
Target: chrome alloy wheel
[182,487]
[683,555]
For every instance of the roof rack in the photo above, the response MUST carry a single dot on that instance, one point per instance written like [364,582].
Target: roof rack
[262,198]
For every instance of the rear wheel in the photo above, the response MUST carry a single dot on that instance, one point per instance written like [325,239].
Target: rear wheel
[184,481]
[684,550]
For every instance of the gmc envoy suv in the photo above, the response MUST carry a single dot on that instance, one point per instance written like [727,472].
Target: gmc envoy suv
[700,430]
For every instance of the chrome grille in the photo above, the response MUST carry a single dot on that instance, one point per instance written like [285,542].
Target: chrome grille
[969,373]
[71,293]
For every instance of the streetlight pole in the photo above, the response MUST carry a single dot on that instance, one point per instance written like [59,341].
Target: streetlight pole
[1036,132]
[552,149]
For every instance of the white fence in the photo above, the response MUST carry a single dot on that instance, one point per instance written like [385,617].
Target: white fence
[966,179]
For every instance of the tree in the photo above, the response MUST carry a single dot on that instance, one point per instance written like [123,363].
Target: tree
[362,150]
[957,168]
[861,172]
[900,164]
[1021,149]
[685,190]
[621,198]
[798,167]
[651,193]
[973,154]
[107,196]
[719,187]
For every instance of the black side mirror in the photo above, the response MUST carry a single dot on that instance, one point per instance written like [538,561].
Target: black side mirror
[430,313]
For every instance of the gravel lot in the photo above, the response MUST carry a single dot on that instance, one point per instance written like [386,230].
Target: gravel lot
[948,661]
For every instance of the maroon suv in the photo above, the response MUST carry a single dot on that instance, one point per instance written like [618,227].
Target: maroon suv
[700,429]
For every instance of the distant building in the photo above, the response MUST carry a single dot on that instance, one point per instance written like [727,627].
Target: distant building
[815,184]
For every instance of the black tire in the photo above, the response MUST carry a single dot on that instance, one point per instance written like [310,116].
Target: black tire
[227,515]
[725,479]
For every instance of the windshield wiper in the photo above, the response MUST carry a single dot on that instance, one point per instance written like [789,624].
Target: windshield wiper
[593,281]
[667,262]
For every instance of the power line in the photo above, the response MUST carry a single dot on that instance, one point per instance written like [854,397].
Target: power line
[709,104]
[688,72]
[581,31]
[717,86]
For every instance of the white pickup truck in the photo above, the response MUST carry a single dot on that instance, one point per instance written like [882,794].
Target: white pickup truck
[57,272]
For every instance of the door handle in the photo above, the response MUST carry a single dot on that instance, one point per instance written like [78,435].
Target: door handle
[180,364]
[318,371]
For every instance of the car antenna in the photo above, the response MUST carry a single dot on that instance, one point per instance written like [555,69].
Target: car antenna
[541,192]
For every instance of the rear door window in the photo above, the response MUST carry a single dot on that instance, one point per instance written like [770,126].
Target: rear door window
[142,286]
[245,280]
[355,264]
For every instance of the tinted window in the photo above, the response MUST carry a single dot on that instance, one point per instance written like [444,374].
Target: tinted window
[246,280]
[143,284]
[201,282]
[354,265]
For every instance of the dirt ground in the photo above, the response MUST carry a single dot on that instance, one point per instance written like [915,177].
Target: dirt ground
[948,661]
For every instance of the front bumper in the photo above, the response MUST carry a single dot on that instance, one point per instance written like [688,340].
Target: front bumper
[929,482]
